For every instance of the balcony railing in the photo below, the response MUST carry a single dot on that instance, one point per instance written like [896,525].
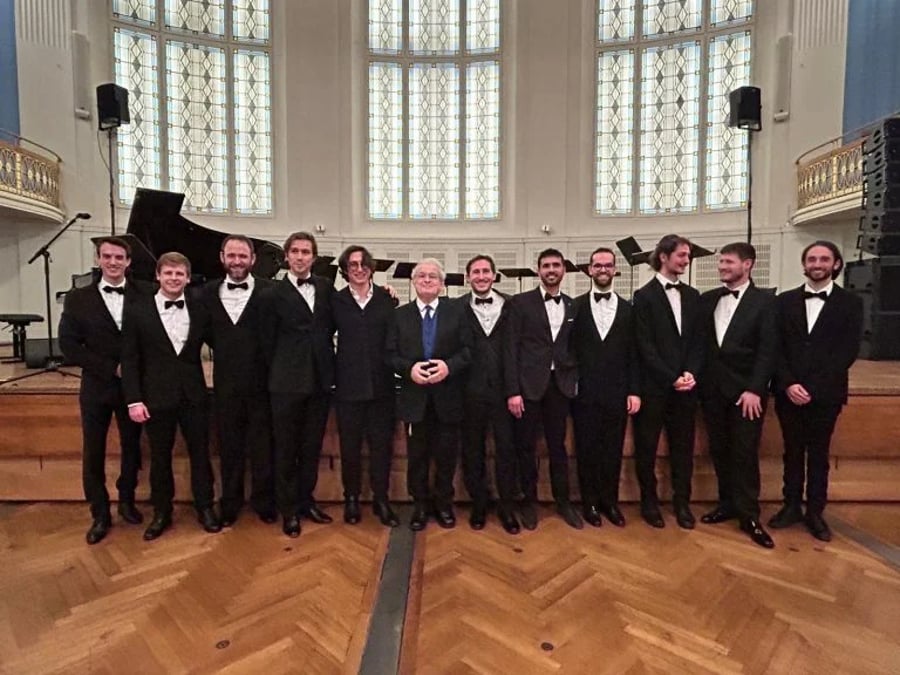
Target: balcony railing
[834,174]
[30,174]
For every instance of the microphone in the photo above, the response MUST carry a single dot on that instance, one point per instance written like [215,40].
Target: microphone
[82,216]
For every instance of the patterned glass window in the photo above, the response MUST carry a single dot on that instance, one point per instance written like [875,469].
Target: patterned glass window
[664,72]
[200,99]
[434,109]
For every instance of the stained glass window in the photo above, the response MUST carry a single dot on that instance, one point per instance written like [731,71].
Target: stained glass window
[200,102]
[664,72]
[434,109]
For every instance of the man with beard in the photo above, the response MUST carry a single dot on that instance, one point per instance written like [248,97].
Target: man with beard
[239,382]
[608,385]
[819,327]
[541,378]
[738,326]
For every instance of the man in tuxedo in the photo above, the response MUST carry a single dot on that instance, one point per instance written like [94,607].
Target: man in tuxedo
[487,312]
[608,388]
[364,394]
[428,347]
[90,336]
[297,331]
[164,385]
[541,378]
[665,312]
[738,327]
[819,326]
[239,382]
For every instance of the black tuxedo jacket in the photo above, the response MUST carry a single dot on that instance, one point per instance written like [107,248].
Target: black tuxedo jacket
[607,369]
[664,354]
[818,360]
[152,372]
[239,366]
[297,343]
[484,380]
[530,348]
[361,372]
[746,359]
[452,345]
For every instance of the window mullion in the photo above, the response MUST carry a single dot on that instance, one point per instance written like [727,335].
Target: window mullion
[405,63]
[461,63]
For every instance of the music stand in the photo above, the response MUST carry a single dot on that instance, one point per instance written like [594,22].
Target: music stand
[631,251]
[697,252]
[403,270]
[454,279]
[518,273]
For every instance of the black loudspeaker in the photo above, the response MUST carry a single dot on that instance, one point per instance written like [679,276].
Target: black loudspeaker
[879,339]
[745,108]
[112,106]
[877,280]
[37,352]
[878,244]
[880,223]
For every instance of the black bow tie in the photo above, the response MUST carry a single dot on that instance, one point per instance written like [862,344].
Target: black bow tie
[114,289]
[307,280]
[676,286]
[243,286]
[555,298]
[809,295]
[173,303]
[727,291]
[484,301]
[598,296]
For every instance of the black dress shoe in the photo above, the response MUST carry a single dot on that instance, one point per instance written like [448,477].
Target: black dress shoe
[419,518]
[444,517]
[291,526]
[653,516]
[757,534]
[570,515]
[268,516]
[592,515]
[129,513]
[478,517]
[351,510]
[528,514]
[99,529]
[227,517]
[684,517]
[383,511]
[789,514]
[508,520]
[209,521]
[718,515]
[317,515]
[613,515]
[817,527]
[160,523]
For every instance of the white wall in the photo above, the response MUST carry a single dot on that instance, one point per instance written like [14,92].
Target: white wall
[319,130]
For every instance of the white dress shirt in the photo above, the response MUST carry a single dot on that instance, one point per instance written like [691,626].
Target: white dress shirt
[177,322]
[487,313]
[556,312]
[114,302]
[674,296]
[433,304]
[726,308]
[363,300]
[604,311]
[814,305]
[307,291]
[235,300]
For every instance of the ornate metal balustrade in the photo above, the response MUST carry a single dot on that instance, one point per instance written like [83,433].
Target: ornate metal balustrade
[835,174]
[29,174]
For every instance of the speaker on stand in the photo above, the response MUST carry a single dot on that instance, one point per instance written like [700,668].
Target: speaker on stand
[745,112]
[112,112]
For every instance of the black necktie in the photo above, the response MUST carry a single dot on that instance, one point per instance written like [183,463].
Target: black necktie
[484,301]
[307,280]
[555,298]
[809,295]
[728,291]
[598,296]
[676,286]
[114,289]
[174,303]
[243,286]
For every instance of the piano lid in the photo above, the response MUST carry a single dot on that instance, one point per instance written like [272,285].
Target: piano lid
[157,221]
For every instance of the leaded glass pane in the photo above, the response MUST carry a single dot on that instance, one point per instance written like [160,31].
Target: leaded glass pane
[385,26]
[434,26]
[195,82]
[483,140]
[252,132]
[250,20]
[385,140]
[138,142]
[729,11]
[199,16]
[135,10]
[670,101]
[614,133]
[434,141]
[615,20]
[482,26]
[671,16]
[726,148]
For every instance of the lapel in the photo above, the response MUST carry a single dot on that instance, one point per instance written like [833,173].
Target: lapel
[292,295]
[618,319]
[100,309]
[157,324]
[741,314]
[662,299]
[541,311]
[828,310]
[796,310]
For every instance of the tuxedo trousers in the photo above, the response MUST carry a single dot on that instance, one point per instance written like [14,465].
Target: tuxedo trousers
[674,411]
[244,424]
[599,438]
[481,415]
[427,441]
[372,421]
[550,412]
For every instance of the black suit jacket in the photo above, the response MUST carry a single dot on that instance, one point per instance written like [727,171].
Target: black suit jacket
[664,353]
[530,348]
[746,359]
[361,373]
[484,380]
[239,366]
[298,344]
[152,372]
[451,345]
[607,369]
[818,360]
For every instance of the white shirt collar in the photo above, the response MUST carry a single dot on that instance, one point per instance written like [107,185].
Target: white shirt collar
[661,279]
[421,305]
[828,289]
[740,289]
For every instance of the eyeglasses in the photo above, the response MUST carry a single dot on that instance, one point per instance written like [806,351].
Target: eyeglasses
[428,276]
[603,266]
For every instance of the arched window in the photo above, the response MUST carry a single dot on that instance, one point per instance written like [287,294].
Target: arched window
[664,72]
[433,109]
[198,76]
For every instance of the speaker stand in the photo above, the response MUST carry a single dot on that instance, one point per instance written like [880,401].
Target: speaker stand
[749,186]
[112,181]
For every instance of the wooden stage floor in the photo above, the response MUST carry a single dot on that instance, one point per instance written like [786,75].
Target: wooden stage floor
[555,600]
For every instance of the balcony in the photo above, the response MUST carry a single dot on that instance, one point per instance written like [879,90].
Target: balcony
[29,179]
[830,183]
